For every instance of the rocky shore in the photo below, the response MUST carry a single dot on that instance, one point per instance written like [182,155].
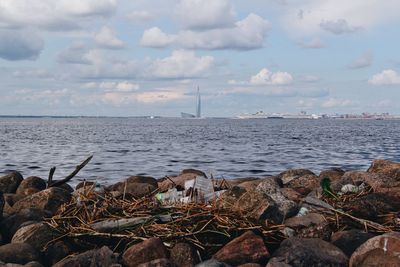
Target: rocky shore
[297,218]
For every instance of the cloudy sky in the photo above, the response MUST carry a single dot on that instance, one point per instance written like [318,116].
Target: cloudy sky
[146,57]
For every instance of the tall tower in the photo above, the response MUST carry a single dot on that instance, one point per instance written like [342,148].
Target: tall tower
[198,108]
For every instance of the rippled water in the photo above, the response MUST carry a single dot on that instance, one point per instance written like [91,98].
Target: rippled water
[224,147]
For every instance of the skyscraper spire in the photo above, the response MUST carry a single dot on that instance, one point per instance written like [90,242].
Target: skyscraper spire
[198,109]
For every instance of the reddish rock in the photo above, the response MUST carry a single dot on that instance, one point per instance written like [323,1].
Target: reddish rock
[349,241]
[304,184]
[250,265]
[37,235]
[157,263]
[383,250]
[18,253]
[311,225]
[333,174]
[289,175]
[31,185]
[136,186]
[11,199]
[10,182]
[387,168]
[291,194]
[247,248]
[103,257]
[184,254]
[248,185]
[212,263]
[278,262]
[177,181]
[56,251]
[305,252]
[50,200]
[194,171]
[146,251]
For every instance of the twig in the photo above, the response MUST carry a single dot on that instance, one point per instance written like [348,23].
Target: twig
[50,179]
[75,172]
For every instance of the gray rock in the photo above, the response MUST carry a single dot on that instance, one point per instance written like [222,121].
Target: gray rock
[349,241]
[10,182]
[103,257]
[136,186]
[311,225]
[37,235]
[18,253]
[289,175]
[184,254]
[212,263]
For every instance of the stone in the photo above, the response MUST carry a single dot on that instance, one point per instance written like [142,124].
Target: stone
[11,224]
[37,235]
[31,184]
[386,167]
[146,251]
[10,182]
[47,200]
[212,263]
[289,175]
[11,198]
[250,265]
[157,263]
[2,203]
[372,205]
[165,184]
[383,250]
[291,194]
[333,174]
[56,251]
[184,254]
[103,257]
[33,264]
[315,204]
[348,241]
[84,184]
[247,248]
[278,262]
[18,253]
[311,225]
[136,186]
[248,185]
[304,252]
[194,171]
[304,184]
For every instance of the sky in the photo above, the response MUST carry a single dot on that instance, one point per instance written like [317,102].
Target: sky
[147,57]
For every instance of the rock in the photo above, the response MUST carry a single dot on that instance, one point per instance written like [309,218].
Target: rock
[33,264]
[247,248]
[11,199]
[387,168]
[84,184]
[194,171]
[136,186]
[289,175]
[372,205]
[157,263]
[2,202]
[333,174]
[278,262]
[178,181]
[291,194]
[11,224]
[146,251]
[50,200]
[103,257]
[311,225]
[10,182]
[307,252]
[383,250]
[56,251]
[304,184]
[315,204]
[212,263]
[253,204]
[18,253]
[184,254]
[37,235]
[248,185]
[31,184]
[286,207]
[349,241]
[250,265]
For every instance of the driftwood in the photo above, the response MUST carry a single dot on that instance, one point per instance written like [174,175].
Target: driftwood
[112,225]
[50,182]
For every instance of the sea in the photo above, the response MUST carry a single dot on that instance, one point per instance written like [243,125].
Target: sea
[224,148]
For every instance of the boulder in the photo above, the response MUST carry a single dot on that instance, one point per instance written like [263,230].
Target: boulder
[194,171]
[291,194]
[11,199]
[247,248]
[146,251]
[333,174]
[349,241]
[307,252]
[84,184]
[18,253]
[11,224]
[47,200]
[289,175]
[2,203]
[311,225]
[383,250]
[184,254]
[179,181]
[304,184]
[37,235]
[157,263]
[212,263]
[278,262]
[31,185]
[250,265]
[56,251]
[103,257]
[386,167]
[10,182]
[136,186]
[372,205]
[248,185]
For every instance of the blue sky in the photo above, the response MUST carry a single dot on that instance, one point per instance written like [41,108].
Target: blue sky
[132,58]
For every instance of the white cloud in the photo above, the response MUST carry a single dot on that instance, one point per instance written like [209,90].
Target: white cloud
[339,26]
[20,45]
[159,96]
[363,61]
[33,73]
[310,78]
[266,77]
[336,103]
[74,54]
[199,14]
[314,43]
[246,34]
[106,38]
[386,77]
[85,8]
[123,86]
[180,65]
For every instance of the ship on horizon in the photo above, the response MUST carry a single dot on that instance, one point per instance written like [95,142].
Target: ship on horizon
[185,115]
[263,115]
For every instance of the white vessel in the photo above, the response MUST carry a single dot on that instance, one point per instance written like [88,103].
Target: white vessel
[257,115]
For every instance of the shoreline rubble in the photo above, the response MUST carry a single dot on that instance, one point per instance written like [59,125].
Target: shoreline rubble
[297,218]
